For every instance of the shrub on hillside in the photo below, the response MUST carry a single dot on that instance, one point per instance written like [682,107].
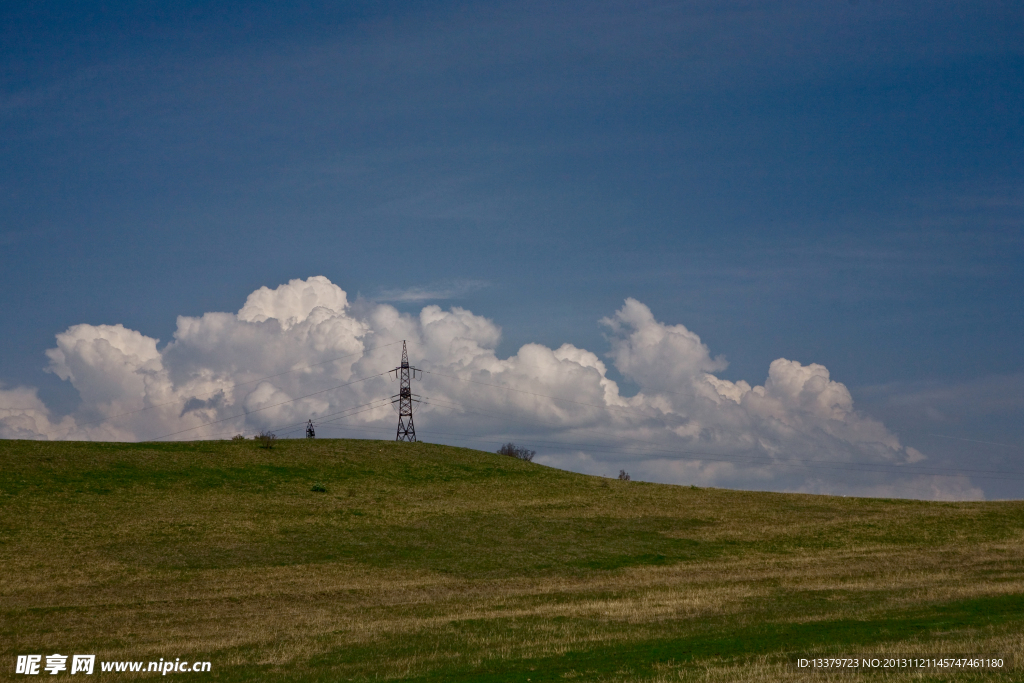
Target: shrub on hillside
[238,437]
[266,439]
[516,452]
[623,475]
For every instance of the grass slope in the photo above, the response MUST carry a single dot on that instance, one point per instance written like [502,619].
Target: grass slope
[432,563]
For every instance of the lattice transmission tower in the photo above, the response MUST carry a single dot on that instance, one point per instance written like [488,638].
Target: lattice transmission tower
[405,398]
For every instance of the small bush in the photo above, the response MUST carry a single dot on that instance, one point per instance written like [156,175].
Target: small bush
[238,437]
[319,488]
[516,452]
[623,475]
[266,439]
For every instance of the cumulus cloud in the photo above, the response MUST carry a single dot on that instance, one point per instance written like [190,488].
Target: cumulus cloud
[24,416]
[302,351]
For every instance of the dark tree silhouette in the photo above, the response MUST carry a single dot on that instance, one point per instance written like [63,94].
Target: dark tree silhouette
[516,452]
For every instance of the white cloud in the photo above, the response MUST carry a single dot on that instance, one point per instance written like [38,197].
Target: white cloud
[24,416]
[293,303]
[450,289]
[301,351]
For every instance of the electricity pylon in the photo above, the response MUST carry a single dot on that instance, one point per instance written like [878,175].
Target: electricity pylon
[405,398]
[310,432]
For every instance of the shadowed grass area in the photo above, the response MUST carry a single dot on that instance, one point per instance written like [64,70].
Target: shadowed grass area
[365,560]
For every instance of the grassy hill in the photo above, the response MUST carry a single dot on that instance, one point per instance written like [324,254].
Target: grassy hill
[334,560]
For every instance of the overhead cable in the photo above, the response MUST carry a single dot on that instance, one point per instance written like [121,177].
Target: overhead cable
[236,384]
[250,412]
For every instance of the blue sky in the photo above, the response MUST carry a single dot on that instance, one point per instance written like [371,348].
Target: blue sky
[836,183]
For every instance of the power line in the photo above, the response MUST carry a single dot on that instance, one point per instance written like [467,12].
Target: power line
[379,403]
[699,457]
[683,454]
[753,459]
[990,443]
[521,391]
[663,450]
[320,422]
[236,384]
[250,412]
[660,449]
[604,407]
[373,405]
[900,468]
[382,402]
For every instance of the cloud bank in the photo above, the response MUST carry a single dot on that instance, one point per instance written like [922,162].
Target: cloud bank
[303,351]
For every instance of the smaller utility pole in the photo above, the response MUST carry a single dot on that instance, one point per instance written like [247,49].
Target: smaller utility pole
[310,434]
[405,398]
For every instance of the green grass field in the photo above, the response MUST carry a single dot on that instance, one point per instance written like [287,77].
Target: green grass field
[432,563]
